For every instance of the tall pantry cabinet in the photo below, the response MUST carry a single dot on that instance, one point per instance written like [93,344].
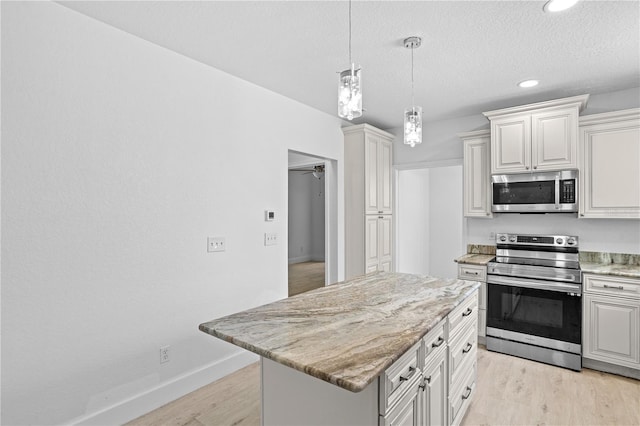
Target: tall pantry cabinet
[368,156]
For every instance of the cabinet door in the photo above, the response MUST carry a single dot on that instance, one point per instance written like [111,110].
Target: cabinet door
[384,178]
[385,242]
[477,185]
[371,242]
[434,389]
[371,172]
[511,144]
[554,140]
[611,330]
[406,412]
[610,176]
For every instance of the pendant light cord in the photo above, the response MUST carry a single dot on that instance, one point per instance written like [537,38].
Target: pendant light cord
[350,61]
[413,103]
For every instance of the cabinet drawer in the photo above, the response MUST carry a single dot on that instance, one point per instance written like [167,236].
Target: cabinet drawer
[434,339]
[399,377]
[610,285]
[462,315]
[472,272]
[461,394]
[463,351]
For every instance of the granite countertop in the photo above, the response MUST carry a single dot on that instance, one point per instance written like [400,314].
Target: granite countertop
[347,333]
[477,255]
[617,264]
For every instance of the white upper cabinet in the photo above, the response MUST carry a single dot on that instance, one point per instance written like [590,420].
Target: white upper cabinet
[476,170]
[378,174]
[536,137]
[610,165]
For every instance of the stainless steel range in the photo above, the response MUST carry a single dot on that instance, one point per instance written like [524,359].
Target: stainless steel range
[534,303]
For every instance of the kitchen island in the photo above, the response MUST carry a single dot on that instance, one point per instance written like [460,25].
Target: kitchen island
[353,336]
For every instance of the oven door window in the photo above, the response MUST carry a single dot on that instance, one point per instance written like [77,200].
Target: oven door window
[537,192]
[551,314]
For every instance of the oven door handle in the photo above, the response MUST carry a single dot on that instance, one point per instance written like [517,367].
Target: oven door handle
[521,282]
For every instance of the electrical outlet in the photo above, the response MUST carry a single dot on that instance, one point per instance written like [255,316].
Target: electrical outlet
[270,238]
[492,236]
[164,354]
[216,244]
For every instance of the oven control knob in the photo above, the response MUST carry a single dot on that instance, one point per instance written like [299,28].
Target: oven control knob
[559,241]
[512,238]
[571,241]
[503,238]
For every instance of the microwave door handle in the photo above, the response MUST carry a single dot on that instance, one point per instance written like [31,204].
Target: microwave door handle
[557,193]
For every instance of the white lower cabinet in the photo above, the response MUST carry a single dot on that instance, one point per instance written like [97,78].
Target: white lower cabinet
[611,320]
[418,389]
[477,273]
[378,243]
[432,383]
[407,411]
[434,390]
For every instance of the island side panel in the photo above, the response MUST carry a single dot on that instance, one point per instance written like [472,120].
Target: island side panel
[290,397]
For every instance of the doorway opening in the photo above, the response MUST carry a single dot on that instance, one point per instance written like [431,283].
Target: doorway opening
[308,210]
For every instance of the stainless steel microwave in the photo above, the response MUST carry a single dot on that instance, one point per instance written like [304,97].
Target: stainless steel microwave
[540,192]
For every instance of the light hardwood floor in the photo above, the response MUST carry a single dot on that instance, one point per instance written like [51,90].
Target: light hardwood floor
[305,276]
[510,391]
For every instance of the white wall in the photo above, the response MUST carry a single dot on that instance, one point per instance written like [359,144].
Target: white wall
[429,220]
[306,217]
[317,195]
[445,220]
[412,221]
[119,158]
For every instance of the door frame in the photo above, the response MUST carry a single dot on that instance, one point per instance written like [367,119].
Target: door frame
[330,210]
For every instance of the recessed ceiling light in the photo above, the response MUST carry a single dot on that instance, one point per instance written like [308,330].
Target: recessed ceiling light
[528,83]
[558,5]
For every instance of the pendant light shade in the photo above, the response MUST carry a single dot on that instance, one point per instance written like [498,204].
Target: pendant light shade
[350,87]
[350,93]
[413,126]
[413,115]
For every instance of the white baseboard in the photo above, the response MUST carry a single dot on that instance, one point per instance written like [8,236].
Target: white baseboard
[312,258]
[164,393]
[299,259]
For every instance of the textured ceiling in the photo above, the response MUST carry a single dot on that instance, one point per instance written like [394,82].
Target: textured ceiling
[472,56]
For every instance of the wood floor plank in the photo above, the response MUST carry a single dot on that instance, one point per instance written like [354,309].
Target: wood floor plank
[509,391]
[306,276]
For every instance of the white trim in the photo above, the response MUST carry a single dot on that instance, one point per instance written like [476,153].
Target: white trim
[609,117]
[299,259]
[578,101]
[149,400]
[428,164]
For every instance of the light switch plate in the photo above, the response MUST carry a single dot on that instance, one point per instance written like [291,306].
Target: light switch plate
[216,244]
[270,239]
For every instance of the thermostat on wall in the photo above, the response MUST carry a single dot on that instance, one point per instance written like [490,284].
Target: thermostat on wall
[269,215]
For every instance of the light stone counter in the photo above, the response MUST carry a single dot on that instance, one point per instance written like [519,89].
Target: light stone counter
[617,264]
[348,333]
[477,254]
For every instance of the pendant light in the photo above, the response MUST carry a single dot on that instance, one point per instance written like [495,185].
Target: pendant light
[413,115]
[350,87]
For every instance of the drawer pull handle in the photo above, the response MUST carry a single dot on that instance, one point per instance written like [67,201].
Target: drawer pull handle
[467,312]
[619,287]
[471,273]
[412,371]
[467,393]
[438,343]
[467,348]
